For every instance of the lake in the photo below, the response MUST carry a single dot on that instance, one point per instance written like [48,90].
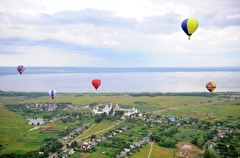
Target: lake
[63,79]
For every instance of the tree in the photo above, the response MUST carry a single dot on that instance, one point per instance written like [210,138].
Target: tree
[209,154]
[53,148]
[46,154]
[74,144]
[200,142]
[93,136]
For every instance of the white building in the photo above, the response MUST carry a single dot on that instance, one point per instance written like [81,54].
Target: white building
[99,110]
[35,121]
[127,112]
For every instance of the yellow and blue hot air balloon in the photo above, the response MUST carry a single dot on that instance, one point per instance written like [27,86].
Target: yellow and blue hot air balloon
[189,26]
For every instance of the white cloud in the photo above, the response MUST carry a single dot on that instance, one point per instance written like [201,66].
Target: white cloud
[118,33]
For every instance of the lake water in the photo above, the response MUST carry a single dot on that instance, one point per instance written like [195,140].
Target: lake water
[79,80]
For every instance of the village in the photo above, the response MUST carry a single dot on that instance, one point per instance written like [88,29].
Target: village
[130,115]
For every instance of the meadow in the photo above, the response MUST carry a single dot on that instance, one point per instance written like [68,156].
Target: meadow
[15,137]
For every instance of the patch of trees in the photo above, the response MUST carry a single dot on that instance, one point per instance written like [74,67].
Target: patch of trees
[74,144]
[146,94]
[200,94]
[29,95]
[66,131]
[209,154]
[199,140]
[23,109]
[50,145]
[140,103]
[164,136]
[30,154]
[227,147]
[99,118]
[20,108]
[119,113]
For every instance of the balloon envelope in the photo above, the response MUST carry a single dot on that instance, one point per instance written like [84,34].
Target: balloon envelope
[189,26]
[20,68]
[52,93]
[96,83]
[211,86]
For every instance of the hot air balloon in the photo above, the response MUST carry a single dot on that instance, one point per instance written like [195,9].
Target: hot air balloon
[211,86]
[189,26]
[20,69]
[52,93]
[96,83]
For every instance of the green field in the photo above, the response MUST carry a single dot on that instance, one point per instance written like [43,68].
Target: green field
[15,137]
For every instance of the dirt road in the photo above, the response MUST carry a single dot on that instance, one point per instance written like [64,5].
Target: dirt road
[150,151]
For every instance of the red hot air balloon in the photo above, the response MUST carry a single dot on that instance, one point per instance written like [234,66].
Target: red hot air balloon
[20,69]
[96,83]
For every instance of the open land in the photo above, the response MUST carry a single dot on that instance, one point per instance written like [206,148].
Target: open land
[206,112]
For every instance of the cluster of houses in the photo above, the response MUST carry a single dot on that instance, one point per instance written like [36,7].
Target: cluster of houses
[221,134]
[94,142]
[47,106]
[72,134]
[106,108]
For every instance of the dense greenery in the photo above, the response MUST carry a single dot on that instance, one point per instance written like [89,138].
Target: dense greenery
[51,145]
[29,95]
[202,94]
[164,135]
[227,146]
[195,121]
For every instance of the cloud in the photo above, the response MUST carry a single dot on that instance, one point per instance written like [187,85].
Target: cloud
[118,33]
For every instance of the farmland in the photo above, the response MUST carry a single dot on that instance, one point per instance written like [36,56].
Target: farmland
[15,136]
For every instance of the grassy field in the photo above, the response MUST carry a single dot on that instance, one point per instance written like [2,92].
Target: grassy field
[98,127]
[15,138]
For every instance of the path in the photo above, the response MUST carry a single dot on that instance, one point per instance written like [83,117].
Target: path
[98,131]
[150,151]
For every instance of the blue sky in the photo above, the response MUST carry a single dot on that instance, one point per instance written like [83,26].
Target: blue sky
[113,33]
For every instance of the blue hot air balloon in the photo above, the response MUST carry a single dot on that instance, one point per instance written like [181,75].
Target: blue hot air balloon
[20,69]
[52,93]
[189,26]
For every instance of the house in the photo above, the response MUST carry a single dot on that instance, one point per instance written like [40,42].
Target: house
[93,142]
[85,146]
[132,146]
[71,151]
[145,139]
[104,139]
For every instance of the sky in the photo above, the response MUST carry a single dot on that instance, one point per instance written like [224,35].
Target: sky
[119,33]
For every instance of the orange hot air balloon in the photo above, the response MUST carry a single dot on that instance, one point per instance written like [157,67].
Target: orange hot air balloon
[211,86]
[96,83]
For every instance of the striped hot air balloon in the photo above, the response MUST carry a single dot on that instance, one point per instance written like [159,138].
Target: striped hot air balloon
[211,86]
[189,26]
[20,69]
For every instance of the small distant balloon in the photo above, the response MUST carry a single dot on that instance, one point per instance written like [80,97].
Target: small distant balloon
[189,26]
[211,86]
[96,83]
[20,69]
[52,93]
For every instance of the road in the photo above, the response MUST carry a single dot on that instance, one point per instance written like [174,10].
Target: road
[150,151]
[98,131]
[79,139]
